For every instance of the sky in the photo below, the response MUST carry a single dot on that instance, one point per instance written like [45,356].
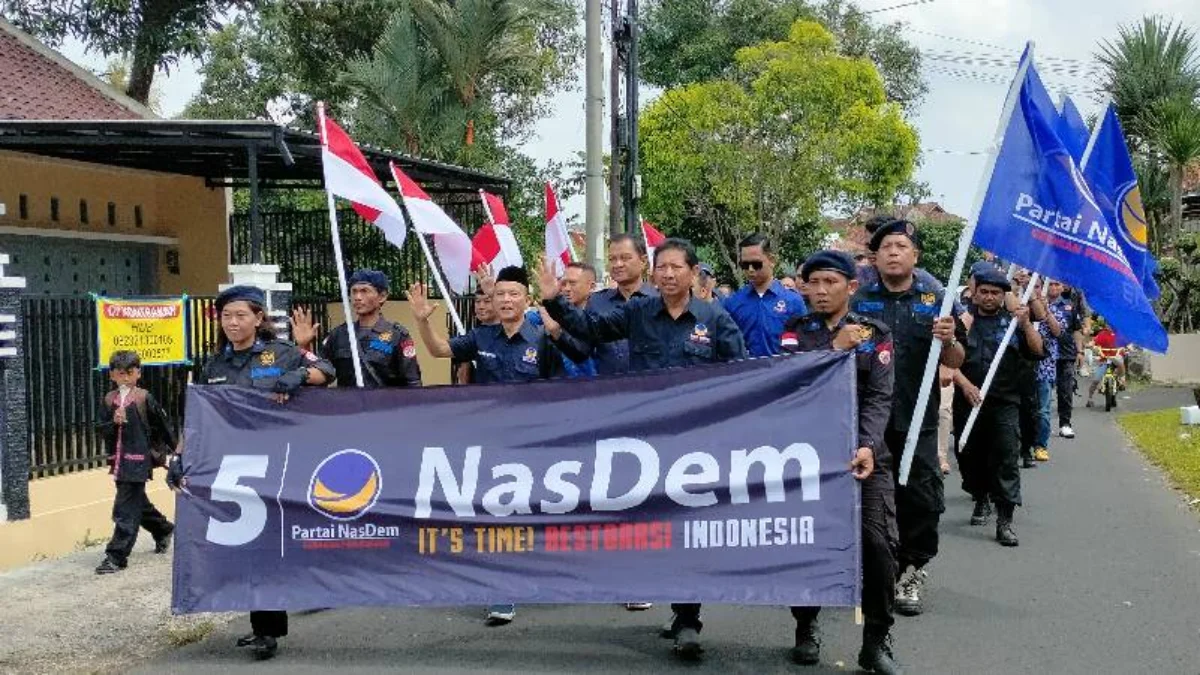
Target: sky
[957,120]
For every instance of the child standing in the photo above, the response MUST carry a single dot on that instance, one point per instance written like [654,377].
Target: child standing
[135,430]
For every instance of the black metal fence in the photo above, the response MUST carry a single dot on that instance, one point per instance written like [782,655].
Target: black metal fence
[301,244]
[65,389]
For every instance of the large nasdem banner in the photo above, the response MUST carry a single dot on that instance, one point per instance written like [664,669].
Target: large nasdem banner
[725,483]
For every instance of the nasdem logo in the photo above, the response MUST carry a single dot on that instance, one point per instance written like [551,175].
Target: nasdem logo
[345,485]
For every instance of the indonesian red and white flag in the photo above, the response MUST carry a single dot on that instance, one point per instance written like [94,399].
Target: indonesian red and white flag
[495,242]
[653,238]
[348,176]
[558,242]
[453,246]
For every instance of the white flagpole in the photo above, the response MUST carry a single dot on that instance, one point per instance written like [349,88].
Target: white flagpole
[994,366]
[487,210]
[433,268]
[351,326]
[960,260]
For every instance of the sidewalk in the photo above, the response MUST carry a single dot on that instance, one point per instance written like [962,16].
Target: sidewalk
[59,617]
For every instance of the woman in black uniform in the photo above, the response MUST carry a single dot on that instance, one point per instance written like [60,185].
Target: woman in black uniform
[250,355]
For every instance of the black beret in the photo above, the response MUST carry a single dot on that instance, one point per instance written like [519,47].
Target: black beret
[835,261]
[373,277]
[251,294]
[513,273]
[894,227]
[993,277]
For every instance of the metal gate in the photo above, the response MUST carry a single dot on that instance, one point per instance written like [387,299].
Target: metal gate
[64,389]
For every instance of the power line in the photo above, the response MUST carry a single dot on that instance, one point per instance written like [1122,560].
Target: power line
[900,6]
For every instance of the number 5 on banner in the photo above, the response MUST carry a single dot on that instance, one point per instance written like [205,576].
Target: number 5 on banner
[225,488]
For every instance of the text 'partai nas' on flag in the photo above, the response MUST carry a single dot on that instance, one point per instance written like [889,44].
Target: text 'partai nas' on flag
[1040,213]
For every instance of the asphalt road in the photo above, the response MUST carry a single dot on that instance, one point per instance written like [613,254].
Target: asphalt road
[1106,580]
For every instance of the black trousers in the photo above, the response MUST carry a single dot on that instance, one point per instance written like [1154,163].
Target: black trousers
[880,540]
[990,461]
[269,623]
[1028,413]
[1065,382]
[919,505]
[133,510]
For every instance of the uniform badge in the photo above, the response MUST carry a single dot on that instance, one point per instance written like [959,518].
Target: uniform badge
[885,356]
[309,356]
[386,336]
[781,307]
[410,349]
[1067,307]
[530,355]
[928,298]
[865,333]
[267,358]
[700,333]
[789,340]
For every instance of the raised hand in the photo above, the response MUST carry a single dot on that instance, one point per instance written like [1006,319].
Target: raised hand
[485,276]
[547,280]
[418,300]
[304,331]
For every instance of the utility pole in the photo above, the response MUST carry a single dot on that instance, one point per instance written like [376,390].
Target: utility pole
[615,223]
[633,179]
[594,116]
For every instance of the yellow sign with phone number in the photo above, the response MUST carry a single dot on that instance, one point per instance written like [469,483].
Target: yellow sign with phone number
[155,328]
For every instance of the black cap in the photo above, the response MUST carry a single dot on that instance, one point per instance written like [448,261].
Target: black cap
[373,277]
[894,227]
[835,261]
[251,294]
[706,270]
[983,267]
[513,273]
[993,277]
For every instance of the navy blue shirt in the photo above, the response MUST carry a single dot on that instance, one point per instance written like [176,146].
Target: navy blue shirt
[612,358]
[909,314]
[526,356]
[703,333]
[761,318]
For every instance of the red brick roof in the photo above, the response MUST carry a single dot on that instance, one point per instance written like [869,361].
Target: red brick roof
[39,84]
[853,236]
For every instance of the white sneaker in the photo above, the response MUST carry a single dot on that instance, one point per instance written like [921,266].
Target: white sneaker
[499,615]
[908,592]
[1066,431]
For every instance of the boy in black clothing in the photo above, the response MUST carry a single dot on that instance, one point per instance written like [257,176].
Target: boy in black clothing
[137,435]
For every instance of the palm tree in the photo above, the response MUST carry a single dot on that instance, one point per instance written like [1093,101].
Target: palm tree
[404,99]
[1173,126]
[1147,63]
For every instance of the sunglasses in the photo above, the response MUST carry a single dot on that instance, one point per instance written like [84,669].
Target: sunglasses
[751,265]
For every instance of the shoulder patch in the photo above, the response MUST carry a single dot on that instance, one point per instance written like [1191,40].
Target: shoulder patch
[410,349]
[789,340]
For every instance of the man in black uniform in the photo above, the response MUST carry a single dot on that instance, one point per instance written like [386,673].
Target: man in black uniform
[830,278]
[910,309]
[386,350]
[249,355]
[989,460]
[626,265]
[671,329]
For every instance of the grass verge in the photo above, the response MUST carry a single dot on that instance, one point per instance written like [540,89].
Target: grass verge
[1167,444]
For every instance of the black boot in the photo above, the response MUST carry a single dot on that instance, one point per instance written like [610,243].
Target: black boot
[876,653]
[807,651]
[1005,534]
[163,544]
[982,512]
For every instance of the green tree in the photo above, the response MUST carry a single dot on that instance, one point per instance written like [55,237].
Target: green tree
[154,33]
[1173,127]
[796,131]
[1148,63]
[686,41]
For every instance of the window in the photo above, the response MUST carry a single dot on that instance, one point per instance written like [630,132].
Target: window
[54,209]
[112,214]
[137,216]
[83,214]
[23,206]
